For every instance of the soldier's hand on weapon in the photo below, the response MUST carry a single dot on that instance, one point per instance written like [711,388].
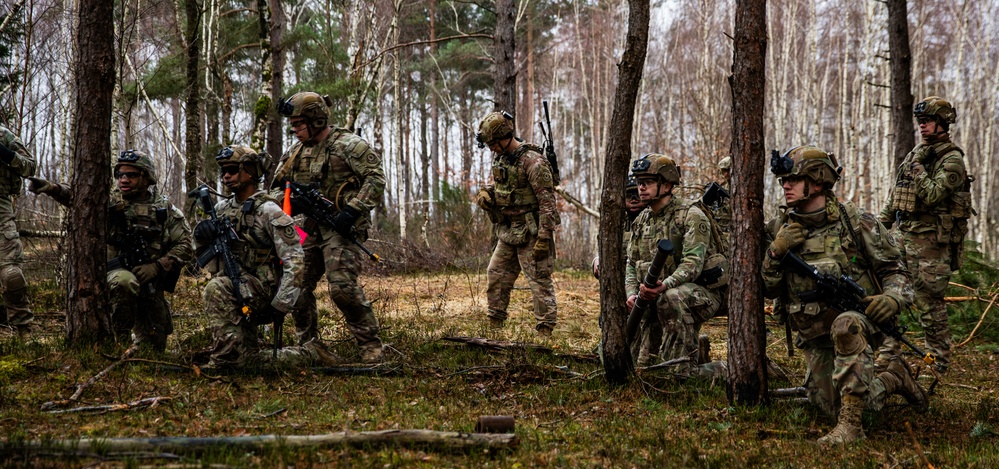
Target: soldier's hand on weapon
[145,273]
[631,302]
[40,186]
[344,221]
[789,236]
[880,308]
[205,231]
[917,170]
[484,199]
[542,249]
[650,294]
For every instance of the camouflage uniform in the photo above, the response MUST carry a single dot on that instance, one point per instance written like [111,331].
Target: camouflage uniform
[524,196]
[838,346]
[12,282]
[932,208]
[270,262]
[685,305]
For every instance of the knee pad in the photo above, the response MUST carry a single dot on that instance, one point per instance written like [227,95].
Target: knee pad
[848,335]
[12,278]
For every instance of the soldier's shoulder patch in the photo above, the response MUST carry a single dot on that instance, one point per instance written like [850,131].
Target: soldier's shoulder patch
[890,239]
[371,158]
[703,228]
[546,176]
[953,179]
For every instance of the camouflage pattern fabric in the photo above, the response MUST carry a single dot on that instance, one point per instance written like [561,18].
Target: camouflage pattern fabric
[270,260]
[348,172]
[525,202]
[685,305]
[932,231]
[838,346]
[12,281]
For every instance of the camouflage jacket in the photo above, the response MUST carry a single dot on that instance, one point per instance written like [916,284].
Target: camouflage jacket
[268,247]
[931,200]
[687,227]
[347,169]
[12,175]
[830,248]
[524,195]
[161,225]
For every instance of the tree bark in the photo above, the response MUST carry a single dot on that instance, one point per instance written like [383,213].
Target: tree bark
[193,100]
[505,78]
[617,356]
[275,128]
[746,330]
[87,307]
[901,80]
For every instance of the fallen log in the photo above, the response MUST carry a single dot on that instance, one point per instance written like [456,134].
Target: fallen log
[497,345]
[789,392]
[420,438]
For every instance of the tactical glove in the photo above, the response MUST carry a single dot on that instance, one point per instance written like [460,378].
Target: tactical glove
[542,248]
[344,221]
[787,238]
[40,186]
[6,154]
[146,272]
[484,200]
[880,308]
[205,232]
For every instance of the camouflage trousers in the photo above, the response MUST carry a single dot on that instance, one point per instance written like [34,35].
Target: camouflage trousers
[842,363]
[682,310]
[142,310]
[236,339]
[12,282]
[929,262]
[341,261]
[505,266]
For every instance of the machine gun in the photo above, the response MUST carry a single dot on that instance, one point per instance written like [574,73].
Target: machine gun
[643,308]
[307,199]
[550,146]
[844,294]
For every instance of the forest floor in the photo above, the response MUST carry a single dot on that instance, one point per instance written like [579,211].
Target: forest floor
[565,412]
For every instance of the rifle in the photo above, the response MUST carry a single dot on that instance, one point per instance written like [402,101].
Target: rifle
[642,308]
[220,247]
[550,146]
[844,294]
[133,251]
[713,195]
[307,199]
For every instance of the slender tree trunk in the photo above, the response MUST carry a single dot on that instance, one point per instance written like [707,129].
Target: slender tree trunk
[193,115]
[88,316]
[901,80]
[505,78]
[434,115]
[262,109]
[275,130]
[617,356]
[746,330]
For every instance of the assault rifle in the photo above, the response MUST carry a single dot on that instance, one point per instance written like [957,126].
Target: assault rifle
[307,199]
[643,308]
[219,247]
[713,195]
[550,146]
[844,294]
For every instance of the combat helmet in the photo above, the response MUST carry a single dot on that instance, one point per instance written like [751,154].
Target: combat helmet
[659,165]
[806,161]
[308,105]
[244,156]
[939,109]
[139,160]
[631,185]
[495,126]
[725,164]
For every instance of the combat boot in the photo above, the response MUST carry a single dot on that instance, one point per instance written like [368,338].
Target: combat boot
[372,354]
[544,330]
[849,427]
[703,349]
[495,323]
[897,379]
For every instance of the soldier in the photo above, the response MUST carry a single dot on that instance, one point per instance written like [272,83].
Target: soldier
[837,239]
[521,204]
[931,201]
[348,172]
[15,164]
[721,211]
[633,205]
[149,242]
[690,290]
[268,251]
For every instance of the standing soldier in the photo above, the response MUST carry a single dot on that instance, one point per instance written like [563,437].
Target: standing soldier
[691,287]
[267,248]
[838,240]
[348,172]
[931,201]
[521,204]
[149,242]
[15,165]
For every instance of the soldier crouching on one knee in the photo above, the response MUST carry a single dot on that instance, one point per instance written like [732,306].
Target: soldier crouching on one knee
[149,241]
[837,239]
[15,163]
[267,248]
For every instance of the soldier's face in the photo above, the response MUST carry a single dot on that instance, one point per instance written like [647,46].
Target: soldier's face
[633,202]
[131,180]
[234,176]
[927,126]
[794,189]
[300,129]
[648,189]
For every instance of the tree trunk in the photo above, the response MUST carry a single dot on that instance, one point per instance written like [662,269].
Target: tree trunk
[746,330]
[617,356]
[505,78]
[275,128]
[434,116]
[88,317]
[901,80]
[263,107]
[193,114]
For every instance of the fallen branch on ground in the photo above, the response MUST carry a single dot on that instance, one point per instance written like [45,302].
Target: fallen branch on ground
[980,320]
[497,345]
[149,401]
[919,448]
[79,389]
[665,364]
[789,392]
[421,438]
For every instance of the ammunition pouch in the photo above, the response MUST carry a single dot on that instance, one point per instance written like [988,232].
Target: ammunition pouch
[715,272]
[518,229]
